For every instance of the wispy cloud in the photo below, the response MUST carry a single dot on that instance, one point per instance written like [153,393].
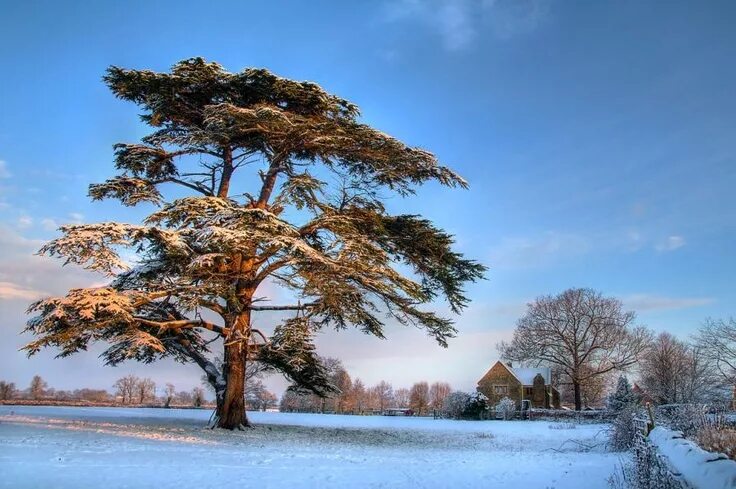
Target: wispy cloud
[49,224]
[24,222]
[4,172]
[647,302]
[11,291]
[25,276]
[460,22]
[671,243]
[524,252]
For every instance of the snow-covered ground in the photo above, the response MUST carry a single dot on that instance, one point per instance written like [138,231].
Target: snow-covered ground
[73,447]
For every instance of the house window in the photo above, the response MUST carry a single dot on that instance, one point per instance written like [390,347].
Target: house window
[528,391]
[500,390]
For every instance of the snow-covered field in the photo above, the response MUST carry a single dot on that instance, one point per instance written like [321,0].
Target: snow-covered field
[73,447]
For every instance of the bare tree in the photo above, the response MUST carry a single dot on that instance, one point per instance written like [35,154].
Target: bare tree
[359,395]
[384,394]
[401,397]
[293,401]
[580,331]
[197,396]
[145,390]
[259,398]
[7,390]
[343,400]
[38,387]
[717,341]
[663,369]
[676,372]
[169,393]
[437,394]
[419,398]
[183,398]
[593,389]
[125,388]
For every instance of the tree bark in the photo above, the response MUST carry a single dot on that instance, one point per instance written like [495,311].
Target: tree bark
[231,409]
[576,389]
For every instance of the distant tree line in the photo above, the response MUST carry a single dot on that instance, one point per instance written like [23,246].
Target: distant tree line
[128,390]
[354,397]
[39,390]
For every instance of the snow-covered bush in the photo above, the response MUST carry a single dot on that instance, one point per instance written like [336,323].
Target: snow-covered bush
[476,407]
[688,418]
[455,404]
[623,430]
[505,408]
[623,396]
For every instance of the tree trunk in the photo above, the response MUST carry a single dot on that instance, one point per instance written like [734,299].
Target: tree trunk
[578,402]
[231,408]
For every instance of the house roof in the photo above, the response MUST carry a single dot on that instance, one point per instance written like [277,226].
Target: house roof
[525,376]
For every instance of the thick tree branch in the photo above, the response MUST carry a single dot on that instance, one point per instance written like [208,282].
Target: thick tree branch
[300,307]
[184,324]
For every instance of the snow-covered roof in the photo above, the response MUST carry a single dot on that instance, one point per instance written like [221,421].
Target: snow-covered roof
[526,375]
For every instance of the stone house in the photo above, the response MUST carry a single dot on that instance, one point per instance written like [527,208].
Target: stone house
[520,384]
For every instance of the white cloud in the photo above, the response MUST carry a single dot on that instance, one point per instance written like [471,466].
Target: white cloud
[633,240]
[49,224]
[11,291]
[452,19]
[459,22]
[647,302]
[11,242]
[25,222]
[671,243]
[24,274]
[4,172]
[76,217]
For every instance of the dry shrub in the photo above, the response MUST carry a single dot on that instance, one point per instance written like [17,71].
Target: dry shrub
[720,439]
[485,436]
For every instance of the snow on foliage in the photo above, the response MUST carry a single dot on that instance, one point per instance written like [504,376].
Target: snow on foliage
[623,396]
[455,404]
[505,408]
[207,254]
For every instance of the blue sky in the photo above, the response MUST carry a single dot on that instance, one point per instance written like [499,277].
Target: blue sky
[598,138]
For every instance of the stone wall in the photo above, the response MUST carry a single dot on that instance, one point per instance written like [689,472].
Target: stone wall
[500,376]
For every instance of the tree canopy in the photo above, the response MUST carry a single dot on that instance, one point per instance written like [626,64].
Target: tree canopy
[307,215]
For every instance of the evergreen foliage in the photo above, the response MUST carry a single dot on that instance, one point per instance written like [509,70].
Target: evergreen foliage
[477,406]
[623,396]
[207,254]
